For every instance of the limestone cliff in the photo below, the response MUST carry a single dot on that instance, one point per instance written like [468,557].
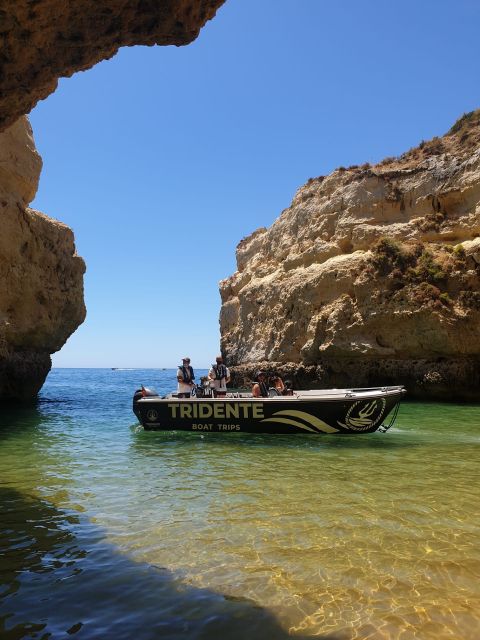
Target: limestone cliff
[370,277]
[41,277]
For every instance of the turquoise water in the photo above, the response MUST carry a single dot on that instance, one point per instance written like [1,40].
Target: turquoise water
[111,531]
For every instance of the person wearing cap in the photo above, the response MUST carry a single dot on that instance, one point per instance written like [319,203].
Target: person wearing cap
[260,387]
[219,376]
[186,379]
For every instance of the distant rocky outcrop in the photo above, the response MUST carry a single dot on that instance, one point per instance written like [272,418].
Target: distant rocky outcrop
[370,277]
[41,277]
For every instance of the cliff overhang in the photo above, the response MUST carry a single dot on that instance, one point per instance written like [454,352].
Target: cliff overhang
[44,40]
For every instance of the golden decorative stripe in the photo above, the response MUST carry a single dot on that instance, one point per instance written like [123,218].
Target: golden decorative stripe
[308,417]
[288,421]
[303,415]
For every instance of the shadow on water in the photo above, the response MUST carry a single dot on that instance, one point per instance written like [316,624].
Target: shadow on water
[16,420]
[150,442]
[59,576]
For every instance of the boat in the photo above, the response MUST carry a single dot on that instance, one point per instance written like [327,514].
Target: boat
[330,411]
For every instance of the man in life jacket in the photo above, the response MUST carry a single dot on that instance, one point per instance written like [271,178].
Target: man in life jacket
[219,376]
[260,387]
[186,379]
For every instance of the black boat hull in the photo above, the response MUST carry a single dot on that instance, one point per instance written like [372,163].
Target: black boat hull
[349,411]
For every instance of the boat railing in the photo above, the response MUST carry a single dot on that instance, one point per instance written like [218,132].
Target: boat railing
[239,393]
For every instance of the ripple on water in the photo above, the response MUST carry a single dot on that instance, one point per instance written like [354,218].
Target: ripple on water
[372,536]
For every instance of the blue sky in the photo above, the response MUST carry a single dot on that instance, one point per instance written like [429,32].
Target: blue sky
[162,158]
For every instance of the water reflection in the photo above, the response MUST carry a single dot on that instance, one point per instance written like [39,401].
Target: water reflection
[151,442]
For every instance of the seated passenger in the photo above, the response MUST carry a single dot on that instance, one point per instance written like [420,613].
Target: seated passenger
[277,383]
[260,387]
[288,388]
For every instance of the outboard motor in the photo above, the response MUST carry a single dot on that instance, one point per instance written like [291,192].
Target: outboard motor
[137,395]
[148,392]
[144,392]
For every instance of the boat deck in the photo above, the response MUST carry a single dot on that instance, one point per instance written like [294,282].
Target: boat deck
[311,394]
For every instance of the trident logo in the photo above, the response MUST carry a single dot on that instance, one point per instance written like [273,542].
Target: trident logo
[364,414]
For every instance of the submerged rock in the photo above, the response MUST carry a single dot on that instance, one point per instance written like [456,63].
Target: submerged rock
[370,277]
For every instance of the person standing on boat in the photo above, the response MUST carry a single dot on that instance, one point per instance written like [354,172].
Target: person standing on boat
[260,387]
[186,379]
[219,376]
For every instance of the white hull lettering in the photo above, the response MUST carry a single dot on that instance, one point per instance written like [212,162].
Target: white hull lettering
[211,427]
[217,410]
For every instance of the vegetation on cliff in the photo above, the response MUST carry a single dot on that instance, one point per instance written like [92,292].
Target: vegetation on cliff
[439,276]
[371,275]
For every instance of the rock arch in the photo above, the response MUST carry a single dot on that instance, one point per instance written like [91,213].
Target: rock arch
[41,276]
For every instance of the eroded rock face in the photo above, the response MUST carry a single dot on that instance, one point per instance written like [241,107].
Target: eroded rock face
[41,277]
[43,40]
[321,296]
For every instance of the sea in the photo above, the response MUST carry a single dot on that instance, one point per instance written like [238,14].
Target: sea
[110,531]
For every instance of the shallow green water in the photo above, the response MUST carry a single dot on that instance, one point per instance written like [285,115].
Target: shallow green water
[110,531]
